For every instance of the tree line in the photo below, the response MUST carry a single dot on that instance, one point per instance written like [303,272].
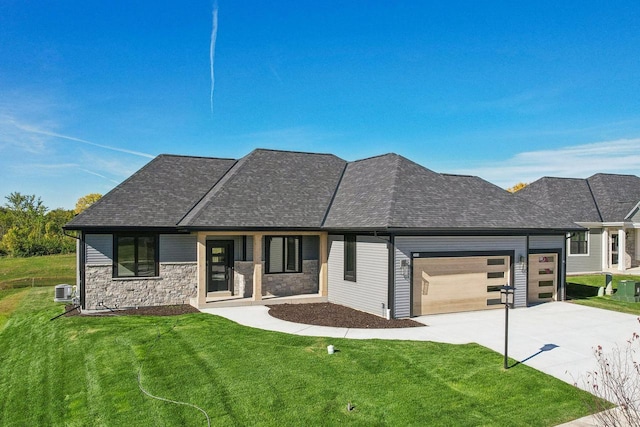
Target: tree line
[29,228]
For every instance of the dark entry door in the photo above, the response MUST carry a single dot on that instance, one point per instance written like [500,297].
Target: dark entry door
[219,265]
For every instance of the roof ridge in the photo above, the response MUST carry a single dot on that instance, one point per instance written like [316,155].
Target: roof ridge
[595,201]
[275,150]
[187,156]
[335,193]
[196,209]
[394,191]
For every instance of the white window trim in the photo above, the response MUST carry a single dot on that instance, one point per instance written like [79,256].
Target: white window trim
[588,236]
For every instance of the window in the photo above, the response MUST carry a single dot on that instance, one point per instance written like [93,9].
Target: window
[284,254]
[136,255]
[350,257]
[579,243]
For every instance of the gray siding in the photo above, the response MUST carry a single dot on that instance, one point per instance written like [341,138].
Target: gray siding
[588,263]
[546,242]
[99,248]
[178,248]
[636,216]
[405,245]
[370,290]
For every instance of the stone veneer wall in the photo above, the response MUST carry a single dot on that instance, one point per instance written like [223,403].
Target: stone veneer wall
[293,283]
[176,285]
[243,278]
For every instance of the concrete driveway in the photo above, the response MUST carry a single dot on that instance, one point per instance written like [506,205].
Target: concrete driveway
[557,338]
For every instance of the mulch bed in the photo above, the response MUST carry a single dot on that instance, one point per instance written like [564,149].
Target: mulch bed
[339,316]
[320,314]
[162,310]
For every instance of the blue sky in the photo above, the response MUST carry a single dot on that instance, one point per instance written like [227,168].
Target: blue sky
[510,91]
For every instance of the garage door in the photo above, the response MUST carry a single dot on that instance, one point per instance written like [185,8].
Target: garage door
[543,278]
[452,284]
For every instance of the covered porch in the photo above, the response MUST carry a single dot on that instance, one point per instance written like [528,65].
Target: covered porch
[258,268]
[620,243]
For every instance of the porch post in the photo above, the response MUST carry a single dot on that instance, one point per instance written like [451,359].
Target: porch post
[622,250]
[323,278]
[202,269]
[257,267]
[606,247]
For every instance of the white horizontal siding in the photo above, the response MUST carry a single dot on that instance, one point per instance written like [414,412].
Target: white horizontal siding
[99,248]
[370,290]
[405,245]
[178,248]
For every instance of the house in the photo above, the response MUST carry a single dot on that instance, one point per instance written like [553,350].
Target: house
[383,235]
[608,206]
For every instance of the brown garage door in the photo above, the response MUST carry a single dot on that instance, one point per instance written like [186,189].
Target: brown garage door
[452,284]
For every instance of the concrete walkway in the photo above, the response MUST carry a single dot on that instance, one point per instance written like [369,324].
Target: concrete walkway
[556,338]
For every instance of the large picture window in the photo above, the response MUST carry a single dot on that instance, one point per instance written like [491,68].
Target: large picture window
[284,254]
[579,243]
[350,257]
[136,255]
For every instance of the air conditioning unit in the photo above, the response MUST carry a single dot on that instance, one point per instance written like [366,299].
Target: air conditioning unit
[63,293]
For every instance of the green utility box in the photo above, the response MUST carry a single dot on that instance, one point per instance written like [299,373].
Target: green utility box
[628,291]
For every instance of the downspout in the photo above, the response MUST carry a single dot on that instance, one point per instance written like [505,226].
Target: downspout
[526,274]
[391,247]
[563,273]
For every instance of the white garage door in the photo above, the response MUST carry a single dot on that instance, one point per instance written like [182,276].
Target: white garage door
[452,284]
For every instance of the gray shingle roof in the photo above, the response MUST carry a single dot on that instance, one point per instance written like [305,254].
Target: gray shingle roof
[271,189]
[615,195]
[291,190]
[569,196]
[158,195]
[393,192]
[599,198]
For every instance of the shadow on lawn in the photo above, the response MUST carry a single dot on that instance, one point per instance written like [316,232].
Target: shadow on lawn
[578,291]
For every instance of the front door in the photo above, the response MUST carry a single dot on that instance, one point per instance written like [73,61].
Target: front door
[219,265]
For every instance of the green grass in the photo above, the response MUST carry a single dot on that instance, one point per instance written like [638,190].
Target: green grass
[584,290]
[37,271]
[83,371]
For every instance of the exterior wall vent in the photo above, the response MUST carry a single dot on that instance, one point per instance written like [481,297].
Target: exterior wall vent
[63,293]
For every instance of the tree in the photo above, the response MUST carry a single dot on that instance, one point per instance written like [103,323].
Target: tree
[85,201]
[519,186]
[27,228]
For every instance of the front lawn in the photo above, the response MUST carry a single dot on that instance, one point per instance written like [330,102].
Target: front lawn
[584,290]
[83,371]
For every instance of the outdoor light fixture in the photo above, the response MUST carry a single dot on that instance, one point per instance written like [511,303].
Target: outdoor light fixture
[404,264]
[507,294]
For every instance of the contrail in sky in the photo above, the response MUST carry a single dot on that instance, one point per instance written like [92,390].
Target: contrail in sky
[84,141]
[212,48]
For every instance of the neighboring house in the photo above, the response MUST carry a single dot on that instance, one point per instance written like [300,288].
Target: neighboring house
[383,235]
[608,205]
